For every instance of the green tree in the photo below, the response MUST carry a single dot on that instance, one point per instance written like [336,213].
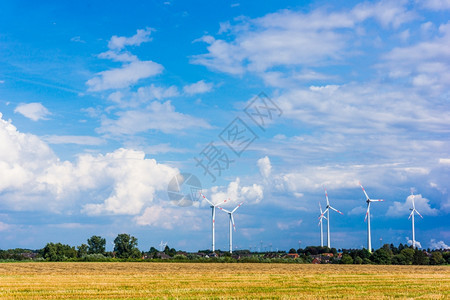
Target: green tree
[436,258]
[420,258]
[382,257]
[292,250]
[125,246]
[58,252]
[358,260]
[96,244]
[347,259]
[82,250]
[408,253]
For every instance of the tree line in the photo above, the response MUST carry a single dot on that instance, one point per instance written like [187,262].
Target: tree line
[125,249]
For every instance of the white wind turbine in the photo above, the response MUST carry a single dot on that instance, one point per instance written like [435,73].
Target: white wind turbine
[321,217]
[413,209]
[368,200]
[230,214]
[213,208]
[327,210]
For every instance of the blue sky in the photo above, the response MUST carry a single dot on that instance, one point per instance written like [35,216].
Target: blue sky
[103,104]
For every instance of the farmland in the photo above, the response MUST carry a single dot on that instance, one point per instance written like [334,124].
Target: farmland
[66,280]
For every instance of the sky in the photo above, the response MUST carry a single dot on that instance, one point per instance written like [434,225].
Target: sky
[114,115]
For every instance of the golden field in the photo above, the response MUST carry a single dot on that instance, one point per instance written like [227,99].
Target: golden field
[66,280]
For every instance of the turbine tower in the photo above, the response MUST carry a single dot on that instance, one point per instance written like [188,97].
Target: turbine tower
[328,217]
[368,200]
[413,209]
[230,214]
[321,217]
[213,208]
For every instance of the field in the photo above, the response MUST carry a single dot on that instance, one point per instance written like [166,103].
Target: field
[190,280]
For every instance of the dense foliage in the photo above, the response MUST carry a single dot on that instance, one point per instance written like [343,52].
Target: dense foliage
[125,249]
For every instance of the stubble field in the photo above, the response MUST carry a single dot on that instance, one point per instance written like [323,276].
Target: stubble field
[191,280]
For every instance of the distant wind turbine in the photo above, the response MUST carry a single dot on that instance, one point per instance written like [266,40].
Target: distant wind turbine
[230,214]
[328,217]
[321,217]
[213,208]
[411,216]
[368,200]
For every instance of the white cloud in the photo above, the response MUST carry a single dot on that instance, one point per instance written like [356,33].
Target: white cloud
[290,38]
[73,139]
[444,161]
[125,76]
[199,87]
[236,193]
[265,167]
[160,216]
[4,226]
[422,206]
[435,4]
[147,93]
[121,57]
[410,242]
[119,42]
[438,245]
[388,13]
[157,116]
[34,111]
[425,63]
[120,182]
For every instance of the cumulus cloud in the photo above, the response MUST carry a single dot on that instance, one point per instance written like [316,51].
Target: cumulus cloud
[34,111]
[199,87]
[236,193]
[265,167]
[132,69]
[438,245]
[119,42]
[157,116]
[125,76]
[410,242]
[422,205]
[34,178]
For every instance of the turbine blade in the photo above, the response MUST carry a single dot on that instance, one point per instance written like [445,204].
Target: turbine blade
[367,212]
[417,213]
[221,208]
[367,196]
[224,201]
[376,200]
[206,199]
[336,210]
[326,195]
[322,215]
[232,221]
[410,214]
[320,206]
[237,207]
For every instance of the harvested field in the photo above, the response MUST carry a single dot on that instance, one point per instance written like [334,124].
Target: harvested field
[193,280]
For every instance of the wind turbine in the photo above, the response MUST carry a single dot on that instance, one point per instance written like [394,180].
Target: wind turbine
[230,214]
[328,217]
[412,220]
[368,200]
[321,217]
[213,208]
